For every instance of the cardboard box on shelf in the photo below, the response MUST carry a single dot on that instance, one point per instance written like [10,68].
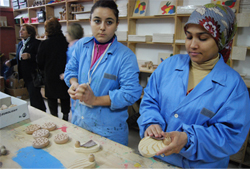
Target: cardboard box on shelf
[21,93]
[14,114]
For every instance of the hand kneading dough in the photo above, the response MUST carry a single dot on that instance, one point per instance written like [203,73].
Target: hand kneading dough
[40,142]
[148,146]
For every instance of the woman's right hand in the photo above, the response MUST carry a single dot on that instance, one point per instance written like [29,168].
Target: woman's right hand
[7,63]
[153,130]
[72,90]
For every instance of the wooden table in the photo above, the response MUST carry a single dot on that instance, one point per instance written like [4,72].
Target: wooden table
[21,154]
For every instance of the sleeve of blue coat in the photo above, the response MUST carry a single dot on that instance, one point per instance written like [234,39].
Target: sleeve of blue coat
[130,89]
[149,107]
[71,69]
[225,136]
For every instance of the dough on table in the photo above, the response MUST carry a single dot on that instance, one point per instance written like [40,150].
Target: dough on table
[88,147]
[32,128]
[40,142]
[84,163]
[49,126]
[148,146]
[41,133]
[61,138]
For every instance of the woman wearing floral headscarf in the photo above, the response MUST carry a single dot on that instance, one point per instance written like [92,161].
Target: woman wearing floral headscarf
[196,99]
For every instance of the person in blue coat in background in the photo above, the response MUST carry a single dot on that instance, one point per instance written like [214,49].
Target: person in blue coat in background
[103,76]
[74,33]
[196,99]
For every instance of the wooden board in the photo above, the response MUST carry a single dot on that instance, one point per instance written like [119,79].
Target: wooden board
[21,154]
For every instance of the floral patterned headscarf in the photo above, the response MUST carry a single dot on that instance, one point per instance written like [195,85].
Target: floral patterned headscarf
[220,22]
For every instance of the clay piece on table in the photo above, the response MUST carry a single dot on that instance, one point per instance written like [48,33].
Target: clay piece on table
[40,142]
[13,105]
[61,138]
[32,128]
[49,126]
[84,163]
[3,150]
[148,146]
[88,147]
[3,107]
[41,133]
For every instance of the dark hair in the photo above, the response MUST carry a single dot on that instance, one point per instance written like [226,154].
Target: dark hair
[30,29]
[75,31]
[106,4]
[52,27]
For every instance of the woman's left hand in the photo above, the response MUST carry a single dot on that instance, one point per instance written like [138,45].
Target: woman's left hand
[179,140]
[25,56]
[85,93]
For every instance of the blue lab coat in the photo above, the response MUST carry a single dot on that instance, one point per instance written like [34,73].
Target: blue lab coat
[215,115]
[117,76]
[69,54]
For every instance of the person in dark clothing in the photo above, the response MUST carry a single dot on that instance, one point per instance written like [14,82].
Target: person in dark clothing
[26,61]
[52,59]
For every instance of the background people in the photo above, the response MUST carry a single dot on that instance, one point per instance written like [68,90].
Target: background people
[52,59]
[196,98]
[103,77]
[74,33]
[26,61]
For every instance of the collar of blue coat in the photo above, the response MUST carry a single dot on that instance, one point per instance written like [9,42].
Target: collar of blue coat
[89,42]
[218,73]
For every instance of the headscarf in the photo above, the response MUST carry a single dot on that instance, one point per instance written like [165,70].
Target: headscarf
[220,22]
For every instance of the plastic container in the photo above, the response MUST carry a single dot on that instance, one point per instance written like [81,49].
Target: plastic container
[25,20]
[34,20]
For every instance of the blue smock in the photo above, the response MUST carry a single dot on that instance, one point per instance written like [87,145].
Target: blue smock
[69,54]
[117,76]
[215,114]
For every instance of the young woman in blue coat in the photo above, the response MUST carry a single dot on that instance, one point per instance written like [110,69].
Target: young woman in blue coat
[196,99]
[103,77]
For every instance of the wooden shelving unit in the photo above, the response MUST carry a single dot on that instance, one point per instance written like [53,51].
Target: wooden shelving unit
[179,21]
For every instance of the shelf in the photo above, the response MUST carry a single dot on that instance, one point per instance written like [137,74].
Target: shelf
[55,4]
[6,27]
[79,0]
[247,82]
[123,41]
[152,17]
[79,20]
[144,70]
[158,43]
[37,23]
[183,15]
[20,10]
[37,7]
[121,18]
[62,21]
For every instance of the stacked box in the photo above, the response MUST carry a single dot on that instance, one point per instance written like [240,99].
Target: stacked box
[14,114]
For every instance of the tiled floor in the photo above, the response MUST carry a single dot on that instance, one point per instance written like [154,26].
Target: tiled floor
[134,138]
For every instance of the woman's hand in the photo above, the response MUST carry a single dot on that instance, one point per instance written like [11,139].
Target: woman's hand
[85,93]
[25,56]
[61,76]
[153,130]
[179,140]
[7,63]
[72,90]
